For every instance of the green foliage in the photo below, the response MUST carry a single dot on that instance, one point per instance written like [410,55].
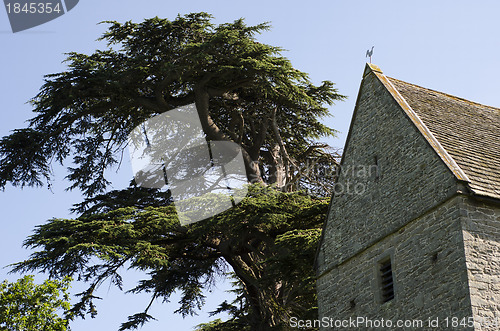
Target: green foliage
[268,241]
[25,306]
[245,92]
[218,324]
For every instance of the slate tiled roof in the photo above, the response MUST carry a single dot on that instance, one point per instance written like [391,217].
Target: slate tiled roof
[469,132]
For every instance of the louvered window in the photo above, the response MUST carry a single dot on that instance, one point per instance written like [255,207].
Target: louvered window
[387,283]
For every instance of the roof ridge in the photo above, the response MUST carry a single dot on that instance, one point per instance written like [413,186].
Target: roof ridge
[447,94]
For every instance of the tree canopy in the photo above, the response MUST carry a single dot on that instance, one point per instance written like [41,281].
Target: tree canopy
[26,306]
[268,242]
[245,92]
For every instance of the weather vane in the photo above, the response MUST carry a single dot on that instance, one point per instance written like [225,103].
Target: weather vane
[369,54]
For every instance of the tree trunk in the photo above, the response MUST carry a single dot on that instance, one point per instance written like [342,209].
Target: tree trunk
[277,172]
[202,101]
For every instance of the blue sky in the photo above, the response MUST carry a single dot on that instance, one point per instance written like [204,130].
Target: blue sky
[450,46]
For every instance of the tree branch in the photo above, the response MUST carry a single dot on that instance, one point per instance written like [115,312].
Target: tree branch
[220,91]
[148,103]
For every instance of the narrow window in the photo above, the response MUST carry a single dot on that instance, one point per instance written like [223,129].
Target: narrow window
[375,168]
[386,281]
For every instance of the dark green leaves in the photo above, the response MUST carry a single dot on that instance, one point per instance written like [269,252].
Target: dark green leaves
[240,86]
[245,92]
[267,233]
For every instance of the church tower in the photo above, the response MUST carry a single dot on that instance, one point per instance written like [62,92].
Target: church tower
[412,239]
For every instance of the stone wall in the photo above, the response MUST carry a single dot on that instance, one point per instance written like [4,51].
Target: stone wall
[430,279]
[396,198]
[369,205]
[481,232]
